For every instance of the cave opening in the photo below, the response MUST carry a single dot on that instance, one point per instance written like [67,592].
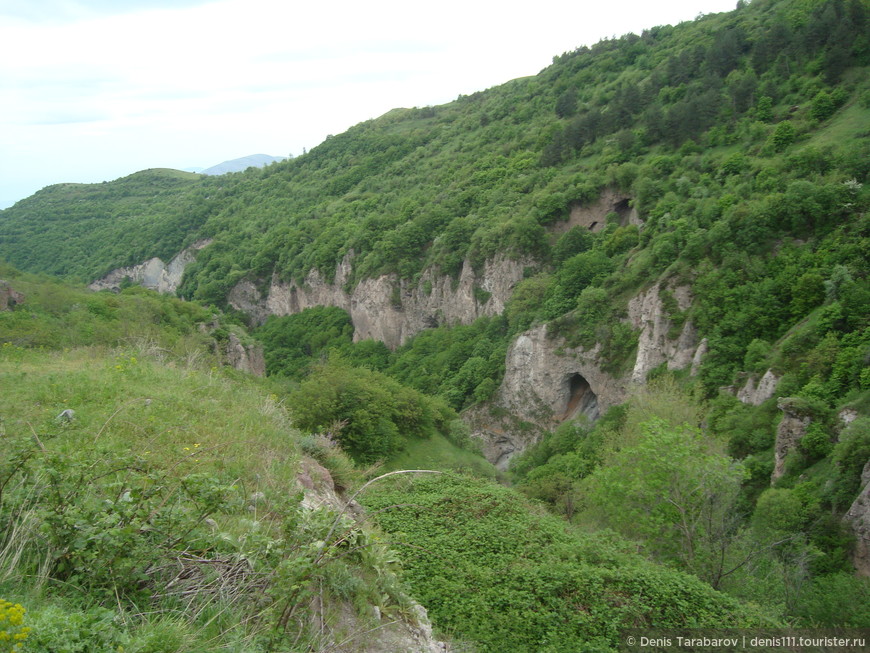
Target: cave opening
[581,399]
[623,209]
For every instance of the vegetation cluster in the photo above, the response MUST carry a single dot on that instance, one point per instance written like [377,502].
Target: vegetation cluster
[156,515]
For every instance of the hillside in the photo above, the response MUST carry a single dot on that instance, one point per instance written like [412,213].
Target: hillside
[154,500]
[242,163]
[636,282]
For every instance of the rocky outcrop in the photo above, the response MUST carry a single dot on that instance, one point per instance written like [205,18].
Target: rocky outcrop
[791,430]
[647,313]
[858,519]
[594,216]
[153,273]
[387,308]
[756,393]
[245,357]
[412,632]
[847,416]
[9,297]
[698,358]
[545,383]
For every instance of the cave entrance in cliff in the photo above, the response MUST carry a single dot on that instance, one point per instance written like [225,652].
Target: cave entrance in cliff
[581,399]
[623,209]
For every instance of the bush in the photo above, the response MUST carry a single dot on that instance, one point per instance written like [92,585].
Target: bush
[371,415]
[574,592]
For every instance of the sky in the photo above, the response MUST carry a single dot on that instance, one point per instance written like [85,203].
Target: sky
[93,90]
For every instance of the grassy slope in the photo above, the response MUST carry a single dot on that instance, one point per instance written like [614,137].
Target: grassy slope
[174,464]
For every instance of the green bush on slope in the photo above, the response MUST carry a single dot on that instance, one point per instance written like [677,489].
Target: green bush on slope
[491,569]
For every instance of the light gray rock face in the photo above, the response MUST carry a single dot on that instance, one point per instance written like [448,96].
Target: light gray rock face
[594,216]
[698,358]
[545,383]
[756,394]
[387,308]
[646,313]
[791,430]
[858,519]
[847,416]
[247,358]
[153,273]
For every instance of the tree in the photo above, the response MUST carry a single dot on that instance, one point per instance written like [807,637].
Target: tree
[371,415]
[783,135]
[566,104]
[680,498]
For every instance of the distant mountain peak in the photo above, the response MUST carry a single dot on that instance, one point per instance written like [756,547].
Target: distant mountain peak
[243,163]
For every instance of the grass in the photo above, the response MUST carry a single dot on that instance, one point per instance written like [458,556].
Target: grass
[437,452]
[166,515]
[144,407]
[851,120]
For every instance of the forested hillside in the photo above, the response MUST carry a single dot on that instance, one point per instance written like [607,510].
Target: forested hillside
[684,213]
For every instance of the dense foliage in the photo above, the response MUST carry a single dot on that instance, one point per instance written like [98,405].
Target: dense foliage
[83,231]
[689,503]
[738,139]
[491,570]
[148,496]
[736,152]
[371,415]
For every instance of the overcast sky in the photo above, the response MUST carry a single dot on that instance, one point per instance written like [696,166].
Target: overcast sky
[93,90]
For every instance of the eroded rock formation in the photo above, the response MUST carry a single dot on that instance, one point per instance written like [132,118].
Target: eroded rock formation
[594,216]
[756,393]
[647,312]
[858,519]
[412,632]
[9,297]
[545,383]
[791,430]
[153,273]
[387,308]
[245,357]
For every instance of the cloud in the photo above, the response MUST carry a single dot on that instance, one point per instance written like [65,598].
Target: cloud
[65,11]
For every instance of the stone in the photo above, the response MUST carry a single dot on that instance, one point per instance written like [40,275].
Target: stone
[755,395]
[545,383]
[153,273]
[858,520]
[791,430]
[593,216]
[387,308]
[698,358]
[646,313]
[9,298]
[246,358]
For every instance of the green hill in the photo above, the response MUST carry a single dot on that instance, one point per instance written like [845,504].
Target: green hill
[720,165]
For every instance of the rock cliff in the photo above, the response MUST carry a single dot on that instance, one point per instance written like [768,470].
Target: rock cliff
[153,273]
[594,216]
[756,393]
[387,308]
[791,430]
[545,383]
[858,519]
[245,357]
[647,313]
